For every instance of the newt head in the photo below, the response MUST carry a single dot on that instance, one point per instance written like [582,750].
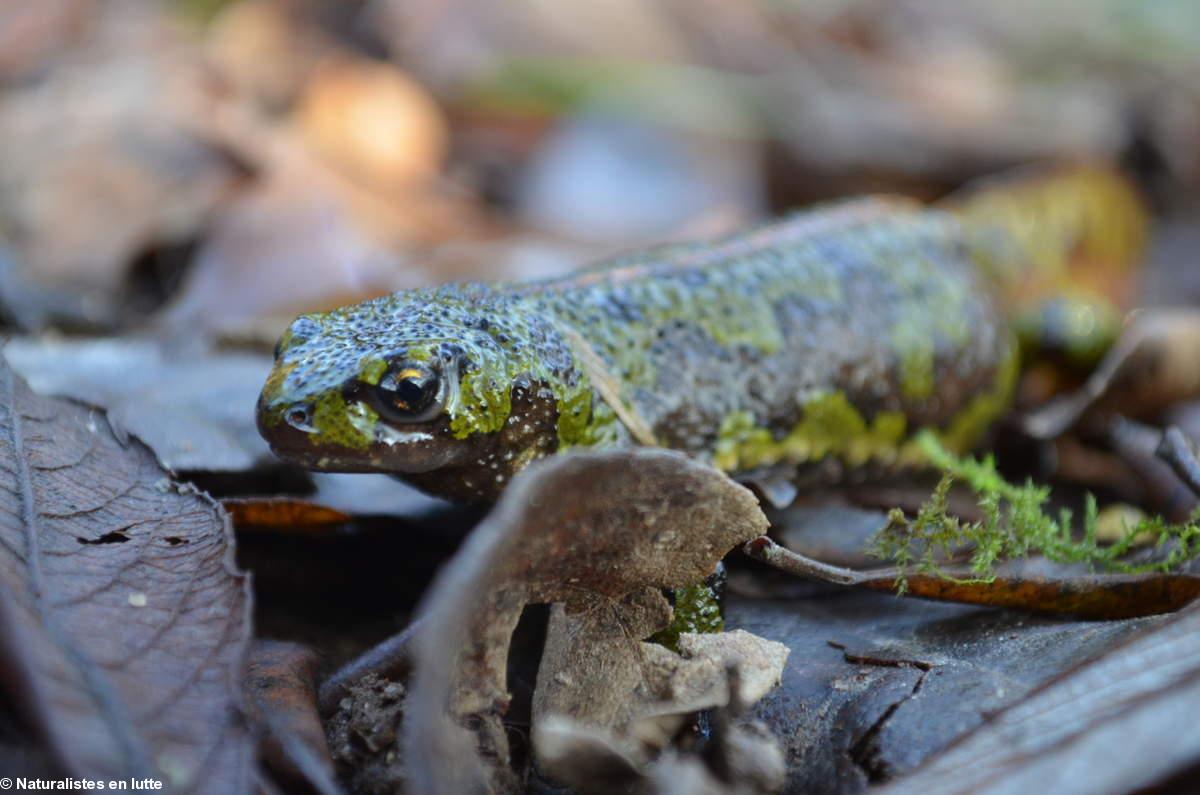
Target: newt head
[449,387]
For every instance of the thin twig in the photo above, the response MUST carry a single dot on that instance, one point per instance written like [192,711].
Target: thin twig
[1178,451]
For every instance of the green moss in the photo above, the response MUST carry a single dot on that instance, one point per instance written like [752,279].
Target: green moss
[696,610]
[1015,525]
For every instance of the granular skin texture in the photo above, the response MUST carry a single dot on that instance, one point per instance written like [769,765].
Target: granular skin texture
[837,333]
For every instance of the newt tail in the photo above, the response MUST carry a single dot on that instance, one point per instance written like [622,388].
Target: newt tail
[1066,249]
[834,335]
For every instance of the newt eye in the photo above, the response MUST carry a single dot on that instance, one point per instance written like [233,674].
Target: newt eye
[408,393]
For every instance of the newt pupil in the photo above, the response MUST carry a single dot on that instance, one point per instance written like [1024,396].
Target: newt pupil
[408,394]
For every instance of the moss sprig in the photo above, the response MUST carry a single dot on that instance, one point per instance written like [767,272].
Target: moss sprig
[1015,524]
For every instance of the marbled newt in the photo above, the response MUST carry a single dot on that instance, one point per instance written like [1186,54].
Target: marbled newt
[833,335]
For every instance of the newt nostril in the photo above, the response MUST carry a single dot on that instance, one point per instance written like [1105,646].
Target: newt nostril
[299,417]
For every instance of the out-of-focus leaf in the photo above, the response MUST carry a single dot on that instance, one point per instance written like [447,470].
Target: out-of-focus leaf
[31,33]
[282,692]
[874,685]
[1152,366]
[619,181]
[585,529]
[364,494]
[286,245]
[265,49]
[282,514]
[1171,277]
[738,757]
[97,162]
[123,622]
[1162,490]
[309,235]
[195,411]
[863,97]
[1119,723]
[373,121]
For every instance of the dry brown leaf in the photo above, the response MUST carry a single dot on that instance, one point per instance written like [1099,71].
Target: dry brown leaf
[735,756]
[875,685]
[1119,723]
[574,528]
[594,671]
[123,623]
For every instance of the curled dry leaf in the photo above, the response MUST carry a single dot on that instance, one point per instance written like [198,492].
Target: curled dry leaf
[595,671]
[738,758]
[618,701]
[592,664]
[123,622]
[585,529]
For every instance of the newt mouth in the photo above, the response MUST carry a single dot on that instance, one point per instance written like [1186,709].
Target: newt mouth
[292,437]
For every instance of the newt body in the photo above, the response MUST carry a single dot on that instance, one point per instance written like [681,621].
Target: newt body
[836,334]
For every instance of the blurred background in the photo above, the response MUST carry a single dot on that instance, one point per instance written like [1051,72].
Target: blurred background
[181,174]
[208,168]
